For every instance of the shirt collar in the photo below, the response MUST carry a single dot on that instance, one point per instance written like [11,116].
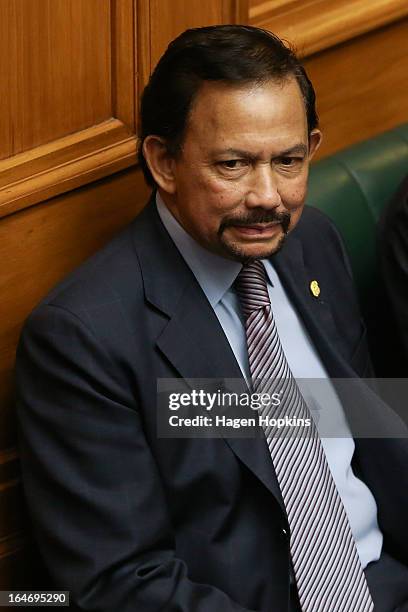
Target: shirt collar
[214,273]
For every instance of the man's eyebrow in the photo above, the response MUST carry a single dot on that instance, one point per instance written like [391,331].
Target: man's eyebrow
[300,149]
[234,152]
[297,149]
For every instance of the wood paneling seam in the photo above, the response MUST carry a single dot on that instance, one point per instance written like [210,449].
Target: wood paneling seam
[317,25]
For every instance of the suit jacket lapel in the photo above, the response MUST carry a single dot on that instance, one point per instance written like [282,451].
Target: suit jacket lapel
[193,339]
[196,345]
[315,312]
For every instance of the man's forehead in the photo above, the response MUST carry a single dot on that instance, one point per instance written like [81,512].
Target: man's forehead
[232,117]
[223,92]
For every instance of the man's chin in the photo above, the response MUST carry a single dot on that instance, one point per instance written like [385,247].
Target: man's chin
[244,252]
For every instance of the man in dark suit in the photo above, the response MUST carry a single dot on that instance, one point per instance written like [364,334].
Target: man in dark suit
[129,520]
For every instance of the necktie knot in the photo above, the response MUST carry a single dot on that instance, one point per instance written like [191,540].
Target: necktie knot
[251,287]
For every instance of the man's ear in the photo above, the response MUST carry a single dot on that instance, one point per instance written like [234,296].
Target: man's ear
[160,162]
[315,140]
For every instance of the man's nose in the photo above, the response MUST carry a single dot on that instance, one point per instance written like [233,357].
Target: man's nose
[263,189]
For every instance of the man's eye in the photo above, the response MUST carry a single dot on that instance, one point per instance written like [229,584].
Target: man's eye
[289,162]
[233,164]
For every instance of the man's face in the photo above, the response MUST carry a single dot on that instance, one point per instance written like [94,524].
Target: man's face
[240,179]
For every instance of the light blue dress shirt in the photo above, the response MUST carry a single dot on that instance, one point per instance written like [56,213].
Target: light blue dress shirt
[216,276]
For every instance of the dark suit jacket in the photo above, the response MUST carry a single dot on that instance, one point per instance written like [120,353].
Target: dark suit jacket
[128,521]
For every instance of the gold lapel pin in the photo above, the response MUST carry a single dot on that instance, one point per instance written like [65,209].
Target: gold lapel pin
[314,288]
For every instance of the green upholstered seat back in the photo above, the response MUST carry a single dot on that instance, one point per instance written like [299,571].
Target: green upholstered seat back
[352,187]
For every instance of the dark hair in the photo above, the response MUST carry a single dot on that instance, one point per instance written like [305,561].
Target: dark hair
[228,53]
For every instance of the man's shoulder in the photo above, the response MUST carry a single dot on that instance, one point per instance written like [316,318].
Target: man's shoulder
[317,232]
[313,221]
[112,274]
[100,275]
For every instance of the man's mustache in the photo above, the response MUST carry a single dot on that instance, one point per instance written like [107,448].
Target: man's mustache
[262,216]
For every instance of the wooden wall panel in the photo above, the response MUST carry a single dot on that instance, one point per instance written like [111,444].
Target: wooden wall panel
[71,102]
[361,86]
[58,69]
[13,550]
[314,25]
[171,18]
[165,19]
[65,164]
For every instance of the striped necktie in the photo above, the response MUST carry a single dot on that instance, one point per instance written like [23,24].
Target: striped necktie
[327,569]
